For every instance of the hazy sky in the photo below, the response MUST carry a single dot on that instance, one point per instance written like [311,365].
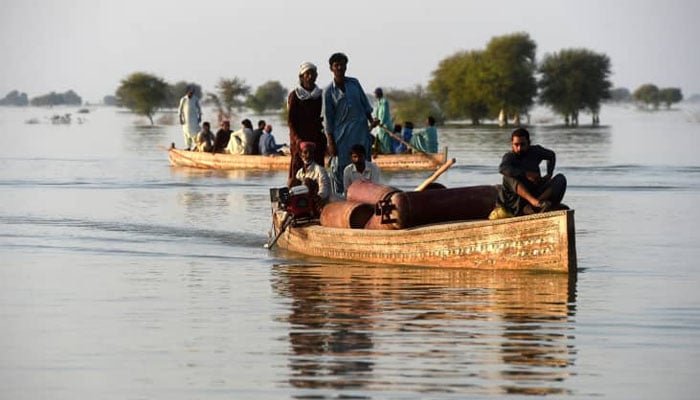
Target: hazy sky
[90,45]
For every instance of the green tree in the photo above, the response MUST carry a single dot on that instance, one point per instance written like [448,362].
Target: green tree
[477,84]
[110,100]
[511,74]
[670,96]
[142,93]
[271,95]
[573,80]
[459,86]
[177,90]
[647,94]
[230,94]
[620,95]
[412,105]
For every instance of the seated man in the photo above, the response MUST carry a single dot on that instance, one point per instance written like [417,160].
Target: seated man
[359,169]
[268,146]
[406,134]
[312,175]
[241,141]
[524,191]
[257,133]
[204,141]
[222,138]
[426,139]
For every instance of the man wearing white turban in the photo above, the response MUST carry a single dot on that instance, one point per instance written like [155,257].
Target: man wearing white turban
[304,118]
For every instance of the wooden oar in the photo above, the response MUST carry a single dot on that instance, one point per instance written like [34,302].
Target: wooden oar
[435,175]
[410,146]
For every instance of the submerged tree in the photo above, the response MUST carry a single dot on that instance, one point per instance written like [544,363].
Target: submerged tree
[230,94]
[670,96]
[512,66]
[142,93]
[620,95]
[270,95]
[57,99]
[573,80]
[647,94]
[477,84]
[15,98]
[460,88]
[413,105]
[179,89]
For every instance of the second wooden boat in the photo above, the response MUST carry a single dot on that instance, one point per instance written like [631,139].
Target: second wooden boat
[386,162]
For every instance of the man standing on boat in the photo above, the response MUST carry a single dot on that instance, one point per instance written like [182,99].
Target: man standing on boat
[190,116]
[524,191]
[346,112]
[304,105]
[383,115]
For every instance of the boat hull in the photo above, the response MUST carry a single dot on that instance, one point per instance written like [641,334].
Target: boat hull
[386,162]
[534,242]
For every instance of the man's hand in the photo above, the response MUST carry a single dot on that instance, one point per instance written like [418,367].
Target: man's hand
[532,176]
[331,146]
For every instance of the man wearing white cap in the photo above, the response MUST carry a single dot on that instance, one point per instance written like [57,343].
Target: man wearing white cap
[304,118]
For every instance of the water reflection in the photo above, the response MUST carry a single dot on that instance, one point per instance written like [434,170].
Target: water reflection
[426,330]
[244,175]
[142,139]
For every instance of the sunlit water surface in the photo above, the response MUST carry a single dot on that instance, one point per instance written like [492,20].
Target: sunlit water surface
[125,278]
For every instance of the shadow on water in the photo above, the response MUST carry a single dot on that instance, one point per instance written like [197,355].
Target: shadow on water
[427,330]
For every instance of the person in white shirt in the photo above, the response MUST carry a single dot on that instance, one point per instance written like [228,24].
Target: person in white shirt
[359,168]
[241,141]
[312,175]
[190,116]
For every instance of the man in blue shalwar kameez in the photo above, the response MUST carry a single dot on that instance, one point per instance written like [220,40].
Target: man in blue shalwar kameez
[426,139]
[346,112]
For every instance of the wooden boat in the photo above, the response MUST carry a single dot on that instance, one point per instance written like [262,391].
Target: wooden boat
[543,241]
[386,162]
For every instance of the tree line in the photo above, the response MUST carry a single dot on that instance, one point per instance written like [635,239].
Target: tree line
[20,99]
[145,94]
[504,80]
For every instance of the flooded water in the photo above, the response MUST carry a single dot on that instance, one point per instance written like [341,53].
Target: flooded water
[124,278]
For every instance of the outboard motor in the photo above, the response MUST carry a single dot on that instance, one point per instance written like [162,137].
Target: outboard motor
[297,201]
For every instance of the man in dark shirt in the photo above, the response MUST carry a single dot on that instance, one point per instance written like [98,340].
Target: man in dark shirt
[222,137]
[257,134]
[524,191]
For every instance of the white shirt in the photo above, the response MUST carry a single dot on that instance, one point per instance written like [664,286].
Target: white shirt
[351,174]
[318,174]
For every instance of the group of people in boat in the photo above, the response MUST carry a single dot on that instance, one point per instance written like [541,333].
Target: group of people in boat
[390,138]
[337,121]
[245,140]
